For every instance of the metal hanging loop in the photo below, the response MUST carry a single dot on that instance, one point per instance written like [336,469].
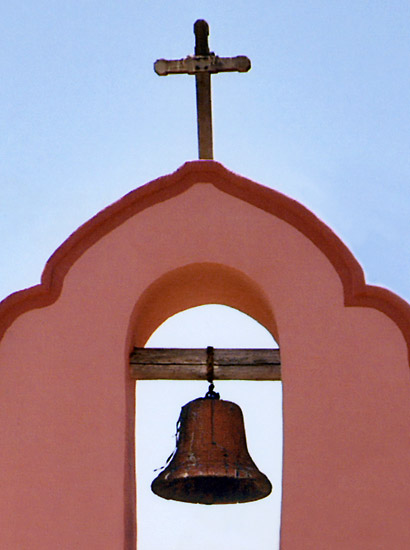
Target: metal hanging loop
[210,394]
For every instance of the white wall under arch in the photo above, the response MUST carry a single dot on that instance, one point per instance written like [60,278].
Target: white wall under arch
[182,525]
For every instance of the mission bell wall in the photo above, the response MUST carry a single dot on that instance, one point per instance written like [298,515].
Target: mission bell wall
[203,235]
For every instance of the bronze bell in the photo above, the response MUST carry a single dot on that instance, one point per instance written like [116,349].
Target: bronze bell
[211,463]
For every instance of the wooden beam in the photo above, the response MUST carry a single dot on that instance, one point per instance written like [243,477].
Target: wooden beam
[191,364]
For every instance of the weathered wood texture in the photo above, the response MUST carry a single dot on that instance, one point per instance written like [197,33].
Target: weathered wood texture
[202,65]
[191,364]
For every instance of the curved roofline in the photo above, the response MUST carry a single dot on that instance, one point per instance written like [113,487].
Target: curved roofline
[356,291]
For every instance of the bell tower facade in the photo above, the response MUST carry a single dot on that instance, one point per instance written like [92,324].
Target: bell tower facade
[203,235]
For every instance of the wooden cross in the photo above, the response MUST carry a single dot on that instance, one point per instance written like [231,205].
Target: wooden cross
[202,65]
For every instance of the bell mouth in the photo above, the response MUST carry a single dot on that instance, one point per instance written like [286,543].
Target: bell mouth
[212,489]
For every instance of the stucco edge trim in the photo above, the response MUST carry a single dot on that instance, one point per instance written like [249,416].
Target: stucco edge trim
[356,292]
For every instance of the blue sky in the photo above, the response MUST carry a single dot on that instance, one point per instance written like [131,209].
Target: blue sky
[323,116]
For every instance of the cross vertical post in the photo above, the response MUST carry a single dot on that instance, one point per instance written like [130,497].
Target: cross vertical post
[202,65]
[203,94]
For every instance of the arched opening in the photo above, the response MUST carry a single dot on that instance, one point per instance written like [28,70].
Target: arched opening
[195,285]
[184,526]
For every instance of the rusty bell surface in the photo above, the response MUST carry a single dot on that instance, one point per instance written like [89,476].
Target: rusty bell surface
[211,464]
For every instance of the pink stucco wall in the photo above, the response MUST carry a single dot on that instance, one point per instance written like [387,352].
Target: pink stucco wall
[203,235]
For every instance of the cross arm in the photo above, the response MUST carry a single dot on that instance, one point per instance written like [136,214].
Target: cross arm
[202,64]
